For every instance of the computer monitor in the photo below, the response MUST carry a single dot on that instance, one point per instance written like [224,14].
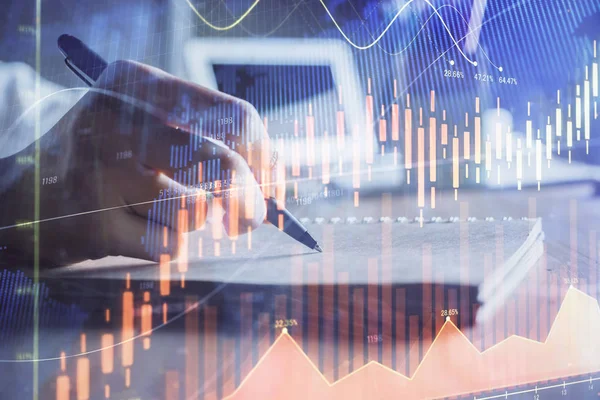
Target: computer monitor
[288,80]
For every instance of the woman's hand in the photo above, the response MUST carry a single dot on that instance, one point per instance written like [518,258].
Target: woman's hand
[109,159]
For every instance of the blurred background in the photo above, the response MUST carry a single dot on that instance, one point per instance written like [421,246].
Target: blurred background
[356,66]
[539,48]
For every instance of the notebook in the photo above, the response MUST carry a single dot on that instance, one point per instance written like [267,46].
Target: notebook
[366,251]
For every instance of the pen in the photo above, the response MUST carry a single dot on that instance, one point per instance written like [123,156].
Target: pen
[88,66]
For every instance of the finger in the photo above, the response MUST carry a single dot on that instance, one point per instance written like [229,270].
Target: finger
[209,152]
[158,132]
[131,237]
[166,146]
[166,91]
[154,196]
[241,198]
[243,204]
[176,102]
[232,183]
[224,117]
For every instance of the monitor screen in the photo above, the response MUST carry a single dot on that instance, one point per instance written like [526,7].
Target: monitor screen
[268,87]
[284,93]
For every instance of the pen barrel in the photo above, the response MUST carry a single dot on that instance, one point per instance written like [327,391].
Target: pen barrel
[286,222]
[82,58]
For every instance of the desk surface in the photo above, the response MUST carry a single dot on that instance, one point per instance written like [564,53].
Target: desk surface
[236,323]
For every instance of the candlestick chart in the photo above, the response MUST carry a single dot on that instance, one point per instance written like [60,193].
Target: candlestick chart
[451,184]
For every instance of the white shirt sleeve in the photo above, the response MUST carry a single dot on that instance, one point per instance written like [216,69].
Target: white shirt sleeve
[20,108]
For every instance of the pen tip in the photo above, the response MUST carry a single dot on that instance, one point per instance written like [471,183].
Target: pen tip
[318,248]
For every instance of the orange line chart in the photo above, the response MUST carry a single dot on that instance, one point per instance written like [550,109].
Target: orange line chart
[452,365]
